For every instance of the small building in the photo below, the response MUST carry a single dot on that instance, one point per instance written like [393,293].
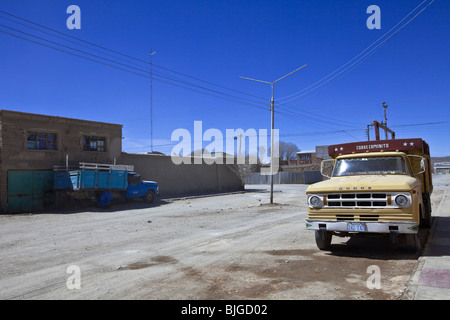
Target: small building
[313,156]
[306,157]
[442,168]
[31,144]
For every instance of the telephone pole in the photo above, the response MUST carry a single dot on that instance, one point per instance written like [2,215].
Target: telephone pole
[272,110]
[385,119]
[151,100]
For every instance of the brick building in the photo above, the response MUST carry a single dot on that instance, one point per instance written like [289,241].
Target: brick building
[31,144]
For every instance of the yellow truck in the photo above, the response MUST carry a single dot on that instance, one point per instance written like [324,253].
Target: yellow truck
[374,188]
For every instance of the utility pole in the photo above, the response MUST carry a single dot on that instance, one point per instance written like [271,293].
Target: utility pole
[240,141]
[151,100]
[368,131]
[385,119]
[272,110]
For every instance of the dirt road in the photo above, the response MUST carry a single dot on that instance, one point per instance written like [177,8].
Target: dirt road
[233,246]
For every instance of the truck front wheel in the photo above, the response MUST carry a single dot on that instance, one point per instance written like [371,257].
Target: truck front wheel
[323,239]
[413,242]
[149,196]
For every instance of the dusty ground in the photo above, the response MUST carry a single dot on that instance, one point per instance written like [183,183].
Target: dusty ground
[219,247]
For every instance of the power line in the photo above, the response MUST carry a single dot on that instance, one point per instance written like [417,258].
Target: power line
[68,40]
[118,53]
[71,48]
[420,124]
[74,54]
[250,136]
[347,70]
[70,36]
[370,52]
[167,79]
[119,63]
[305,116]
[358,61]
[215,93]
[140,71]
[315,133]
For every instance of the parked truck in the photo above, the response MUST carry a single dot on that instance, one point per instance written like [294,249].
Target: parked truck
[104,182]
[375,188]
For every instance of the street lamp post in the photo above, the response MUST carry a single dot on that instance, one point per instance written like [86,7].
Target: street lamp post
[151,99]
[272,110]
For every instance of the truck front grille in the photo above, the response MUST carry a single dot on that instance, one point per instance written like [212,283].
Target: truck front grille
[356,200]
[351,217]
[358,206]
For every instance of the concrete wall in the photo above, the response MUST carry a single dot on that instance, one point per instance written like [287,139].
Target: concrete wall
[15,155]
[286,177]
[183,179]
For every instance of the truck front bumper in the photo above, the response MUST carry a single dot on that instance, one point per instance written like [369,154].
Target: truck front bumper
[362,227]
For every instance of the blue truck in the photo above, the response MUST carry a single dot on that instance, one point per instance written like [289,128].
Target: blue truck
[104,183]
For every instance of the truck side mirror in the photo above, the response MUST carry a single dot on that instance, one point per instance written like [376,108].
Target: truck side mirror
[423,164]
[326,167]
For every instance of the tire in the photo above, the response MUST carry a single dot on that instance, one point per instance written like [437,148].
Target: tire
[149,196]
[425,221]
[323,239]
[413,242]
[393,239]
[105,198]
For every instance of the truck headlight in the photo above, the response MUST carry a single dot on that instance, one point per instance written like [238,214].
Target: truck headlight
[401,200]
[315,201]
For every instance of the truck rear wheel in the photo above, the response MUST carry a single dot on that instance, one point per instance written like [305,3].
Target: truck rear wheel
[323,239]
[425,221]
[104,199]
[149,196]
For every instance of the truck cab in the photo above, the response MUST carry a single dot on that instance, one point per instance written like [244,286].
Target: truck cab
[138,188]
[374,188]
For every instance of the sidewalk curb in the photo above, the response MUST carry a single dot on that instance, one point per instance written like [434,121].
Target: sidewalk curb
[413,283]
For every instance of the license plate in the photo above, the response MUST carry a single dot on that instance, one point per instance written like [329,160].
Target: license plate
[356,227]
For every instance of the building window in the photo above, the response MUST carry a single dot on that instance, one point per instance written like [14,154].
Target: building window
[306,156]
[41,141]
[94,143]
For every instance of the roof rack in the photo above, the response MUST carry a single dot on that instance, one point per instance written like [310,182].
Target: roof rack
[95,166]
[101,166]
[65,168]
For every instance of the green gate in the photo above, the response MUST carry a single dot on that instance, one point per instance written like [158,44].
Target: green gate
[30,190]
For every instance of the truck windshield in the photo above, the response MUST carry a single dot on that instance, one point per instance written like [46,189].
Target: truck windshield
[368,166]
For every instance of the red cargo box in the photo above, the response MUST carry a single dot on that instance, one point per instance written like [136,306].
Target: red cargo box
[404,145]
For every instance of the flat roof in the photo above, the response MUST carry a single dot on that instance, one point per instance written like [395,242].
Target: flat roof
[442,165]
[30,115]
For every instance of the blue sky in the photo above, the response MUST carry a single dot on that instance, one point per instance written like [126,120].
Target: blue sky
[203,47]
